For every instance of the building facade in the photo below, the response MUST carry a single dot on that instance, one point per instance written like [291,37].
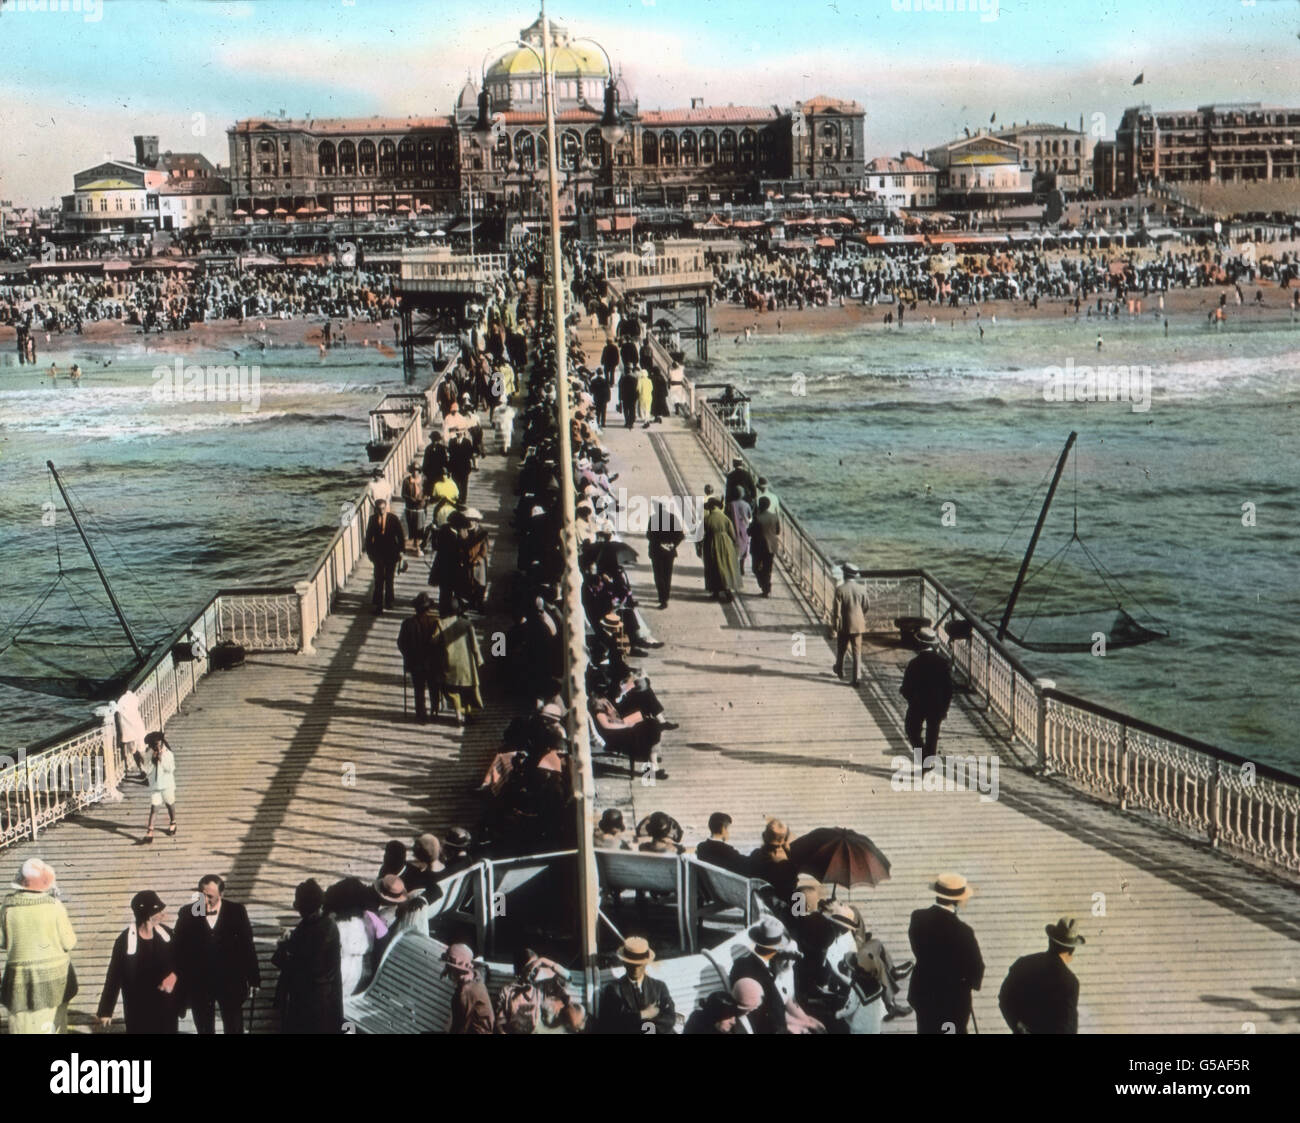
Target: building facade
[906,183]
[491,153]
[978,172]
[114,197]
[192,201]
[1233,143]
[1055,155]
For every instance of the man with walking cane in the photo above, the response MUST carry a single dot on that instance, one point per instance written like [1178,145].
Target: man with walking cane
[418,641]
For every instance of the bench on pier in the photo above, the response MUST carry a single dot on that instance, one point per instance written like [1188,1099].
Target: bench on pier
[715,892]
[409,993]
[655,873]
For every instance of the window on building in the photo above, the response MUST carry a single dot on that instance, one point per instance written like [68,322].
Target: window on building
[690,149]
[326,158]
[406,156]
[727,147]
[366,159]
[428,156]
[708,147]
[347,158]
[748,142]
[593,144]
[668,150]
[649,149]
[387,158]
[103,204]
[525,150]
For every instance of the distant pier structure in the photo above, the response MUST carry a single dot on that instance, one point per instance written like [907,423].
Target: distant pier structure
[674,283]
[437,290]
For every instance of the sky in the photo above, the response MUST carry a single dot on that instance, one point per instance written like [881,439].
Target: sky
[76,85]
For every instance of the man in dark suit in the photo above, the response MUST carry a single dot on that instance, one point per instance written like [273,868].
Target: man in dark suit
[948,961]
[385,544]
[1041,994]
[215,958]
[764,541]
[927,686]
[849,619]
[310,991]
[718,851]
[600,392]
[418,641]
[739,483]
[627,397]
[664,534]
[629,1004]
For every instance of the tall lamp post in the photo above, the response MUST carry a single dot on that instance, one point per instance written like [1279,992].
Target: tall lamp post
[613,131]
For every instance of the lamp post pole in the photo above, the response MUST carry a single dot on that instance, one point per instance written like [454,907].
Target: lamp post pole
[584,784]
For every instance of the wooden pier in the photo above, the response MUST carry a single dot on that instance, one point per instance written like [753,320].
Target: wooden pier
[303,765]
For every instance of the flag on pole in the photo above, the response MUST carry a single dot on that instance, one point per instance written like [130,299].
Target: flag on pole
[1138,80]
[993,118]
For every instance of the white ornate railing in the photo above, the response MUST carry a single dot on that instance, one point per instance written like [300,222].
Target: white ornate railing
[1197,788]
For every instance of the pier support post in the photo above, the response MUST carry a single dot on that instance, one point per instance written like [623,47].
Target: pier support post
[306,618]
[1040,685]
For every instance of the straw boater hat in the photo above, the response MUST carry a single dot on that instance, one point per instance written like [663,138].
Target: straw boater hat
[1065,933]
[951,888]
[34,875]
[636,949]
[927,637]
[391,889]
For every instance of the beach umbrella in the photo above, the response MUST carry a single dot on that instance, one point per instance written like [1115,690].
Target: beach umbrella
[261,212]
[279,210]
[839,856]
[421,233]
[403,209]
[241,213]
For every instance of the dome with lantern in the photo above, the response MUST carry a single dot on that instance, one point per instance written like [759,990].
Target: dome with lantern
[580,71]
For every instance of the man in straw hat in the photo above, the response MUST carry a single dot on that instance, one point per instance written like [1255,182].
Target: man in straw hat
[630,1004]
[927,686]
[849,619]
[948,961]
[1041,994]
[37,939]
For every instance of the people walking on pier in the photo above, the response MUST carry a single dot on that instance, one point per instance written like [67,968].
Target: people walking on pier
[765,492]
[764,543]
[215,958]
[739,483]
[638,1002]
[849,619]
[927,686]
[460,667]
[600,391]
[742,514]
[1040,993]
[420,642]
[142,969]
[413,502]
[948,961]
[384,547]
[160,772]
[460,461]
[37,939]
[309,994]
[627,397]
[718,550]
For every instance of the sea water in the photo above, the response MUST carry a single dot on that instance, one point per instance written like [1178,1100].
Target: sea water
[928,446]
[181,497]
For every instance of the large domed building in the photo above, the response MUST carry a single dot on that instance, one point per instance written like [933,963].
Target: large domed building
[493,149]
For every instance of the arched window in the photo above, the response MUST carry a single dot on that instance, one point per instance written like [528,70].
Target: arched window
[1038,148]
[727,147]
[446,157]
[708,147]
[649,149]
[366,157]
[387,158]
[347,158]
[501,155]
[266,144]
[593,144]
[830,140]
[1038,165]
[748,142]
[668,149]
[406,156]
[428,158]
[570,149]
[327,159]
[690,149]
[525,150]
[765,145]
[1077,149]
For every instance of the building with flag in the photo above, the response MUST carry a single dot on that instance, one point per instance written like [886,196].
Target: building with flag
[978,172]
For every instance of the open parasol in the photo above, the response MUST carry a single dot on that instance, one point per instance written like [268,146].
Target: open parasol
[839,856]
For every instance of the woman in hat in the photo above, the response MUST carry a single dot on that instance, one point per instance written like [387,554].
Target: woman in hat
[37,939]
[161,773]
[351,903]
[718,549]
[143,970]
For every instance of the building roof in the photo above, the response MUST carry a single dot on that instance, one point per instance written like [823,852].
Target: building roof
[342,124]
[908,165]
[710,115]
[200,185]
[180,160]
[567,58]
[110,185]
[1035,127]
[825,101]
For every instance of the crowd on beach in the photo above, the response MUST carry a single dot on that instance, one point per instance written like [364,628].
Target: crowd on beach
[773,282]
[810,963]
[167,300]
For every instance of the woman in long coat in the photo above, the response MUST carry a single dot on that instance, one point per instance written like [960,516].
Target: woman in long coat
[143,971]
[718,549]
[37,939]
[460,681]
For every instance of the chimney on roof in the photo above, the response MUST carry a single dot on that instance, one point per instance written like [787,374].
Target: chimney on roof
[146,151]
[697,103]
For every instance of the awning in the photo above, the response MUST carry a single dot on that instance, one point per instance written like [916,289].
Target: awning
[968,239]
[826,243]
[464,226]
[618,222]
[894,239]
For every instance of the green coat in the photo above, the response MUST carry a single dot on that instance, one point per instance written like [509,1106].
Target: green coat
[463,657]
[718,549]
[37,939]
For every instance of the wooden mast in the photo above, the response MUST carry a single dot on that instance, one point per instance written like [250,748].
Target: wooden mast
[1033,541]
[117,608]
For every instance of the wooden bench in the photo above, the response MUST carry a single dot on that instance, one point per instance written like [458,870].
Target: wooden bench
[409,993]
[657,873]
[712,891]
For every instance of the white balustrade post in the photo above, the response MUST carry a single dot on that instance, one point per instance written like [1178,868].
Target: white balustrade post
[302,590]
[108,743]
[1123,766]
[1041,685]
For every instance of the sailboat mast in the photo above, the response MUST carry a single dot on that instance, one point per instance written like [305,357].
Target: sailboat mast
[1033,541]
[117,608]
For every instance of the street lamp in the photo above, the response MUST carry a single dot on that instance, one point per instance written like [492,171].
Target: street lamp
[479,137]
[613,131]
